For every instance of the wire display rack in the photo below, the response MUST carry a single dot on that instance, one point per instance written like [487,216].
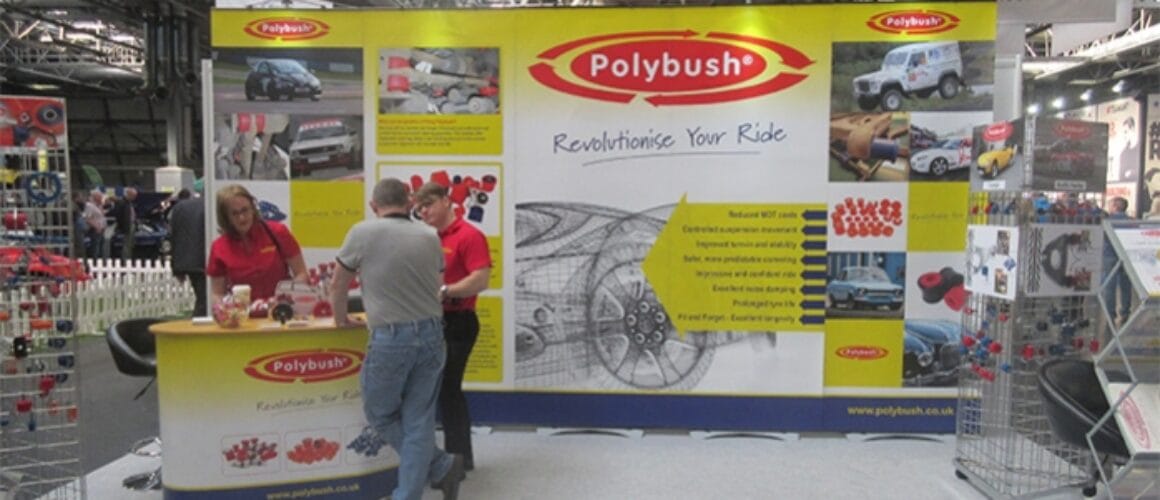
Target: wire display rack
[1005,446]
[39,397]
[1129,367]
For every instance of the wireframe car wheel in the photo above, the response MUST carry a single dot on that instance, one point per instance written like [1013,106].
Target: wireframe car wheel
[632,335]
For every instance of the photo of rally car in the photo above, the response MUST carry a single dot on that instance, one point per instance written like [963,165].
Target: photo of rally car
[942,157]
[282,79]
[585,314]
[325,143]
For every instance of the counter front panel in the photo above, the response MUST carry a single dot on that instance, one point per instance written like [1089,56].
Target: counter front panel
[265,412]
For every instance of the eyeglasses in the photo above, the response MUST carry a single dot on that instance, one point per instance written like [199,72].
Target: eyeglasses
[241,211]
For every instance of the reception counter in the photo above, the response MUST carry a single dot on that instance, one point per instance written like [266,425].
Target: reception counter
[265,411]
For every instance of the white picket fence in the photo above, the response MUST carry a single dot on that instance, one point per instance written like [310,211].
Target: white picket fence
[119,290]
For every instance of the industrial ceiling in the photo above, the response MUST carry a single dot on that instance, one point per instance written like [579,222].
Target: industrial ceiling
[152,47]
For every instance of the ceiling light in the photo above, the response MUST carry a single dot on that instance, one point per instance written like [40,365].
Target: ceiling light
[1058,102]
[1033,109]
[1118,87]
[1086,95]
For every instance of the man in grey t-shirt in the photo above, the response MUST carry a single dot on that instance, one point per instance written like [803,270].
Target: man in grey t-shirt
[400,263]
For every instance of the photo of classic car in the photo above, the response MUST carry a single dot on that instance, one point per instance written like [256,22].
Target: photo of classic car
[932,352]
[585,314]
[992,162]
[942,157]
[282,79]
[864,287]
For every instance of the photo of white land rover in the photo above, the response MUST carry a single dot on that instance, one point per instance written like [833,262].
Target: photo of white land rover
[917,69]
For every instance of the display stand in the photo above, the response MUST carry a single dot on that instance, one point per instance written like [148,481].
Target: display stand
[1033,267]
[1129,367]
[39,432]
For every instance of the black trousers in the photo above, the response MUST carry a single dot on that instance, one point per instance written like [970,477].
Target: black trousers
[460,329]
[197,281]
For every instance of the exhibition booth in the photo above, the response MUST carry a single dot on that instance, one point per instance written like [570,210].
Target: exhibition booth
[791,218]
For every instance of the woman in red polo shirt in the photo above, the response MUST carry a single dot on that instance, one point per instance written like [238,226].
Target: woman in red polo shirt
[250,251]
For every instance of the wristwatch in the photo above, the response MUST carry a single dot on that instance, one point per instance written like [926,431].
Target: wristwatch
[443,292]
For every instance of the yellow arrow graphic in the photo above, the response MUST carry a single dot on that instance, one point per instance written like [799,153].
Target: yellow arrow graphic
[741,267]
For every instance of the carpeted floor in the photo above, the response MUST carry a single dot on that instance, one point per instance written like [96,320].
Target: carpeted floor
[518,464]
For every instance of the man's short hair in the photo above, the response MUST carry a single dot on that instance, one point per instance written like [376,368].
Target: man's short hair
[1120,203]
[390,192]
[430,191]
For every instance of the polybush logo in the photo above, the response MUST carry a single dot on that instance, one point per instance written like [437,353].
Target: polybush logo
[306,366]
[287,28]
[1073,130]
[671,67]
[998,132]
[861,352]
[1137,425]
[913,22]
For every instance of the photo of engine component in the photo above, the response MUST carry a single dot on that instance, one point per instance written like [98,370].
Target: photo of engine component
[869,146]
[439,81]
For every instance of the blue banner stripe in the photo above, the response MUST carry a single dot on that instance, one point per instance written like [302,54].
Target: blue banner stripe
[814,290]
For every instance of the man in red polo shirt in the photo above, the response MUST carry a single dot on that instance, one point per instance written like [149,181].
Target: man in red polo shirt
[467,266]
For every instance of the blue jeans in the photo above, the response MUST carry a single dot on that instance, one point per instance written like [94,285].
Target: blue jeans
[400,382]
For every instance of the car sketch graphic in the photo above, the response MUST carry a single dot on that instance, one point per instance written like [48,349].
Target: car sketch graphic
[586,316]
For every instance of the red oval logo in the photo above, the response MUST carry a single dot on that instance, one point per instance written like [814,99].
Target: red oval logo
[913,22]
[998,132]
[1074,130]
[287,28]
[1137,426]
[861,352]
[668,68]
[306,366]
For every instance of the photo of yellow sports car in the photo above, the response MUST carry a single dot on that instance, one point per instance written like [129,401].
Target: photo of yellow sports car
[994,161]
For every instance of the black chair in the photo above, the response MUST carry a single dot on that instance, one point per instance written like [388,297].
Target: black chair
[134,349]
[1074,402]
[135,354]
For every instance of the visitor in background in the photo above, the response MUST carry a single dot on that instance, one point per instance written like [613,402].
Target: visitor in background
[1119,284]
[125,216]
[187,240]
